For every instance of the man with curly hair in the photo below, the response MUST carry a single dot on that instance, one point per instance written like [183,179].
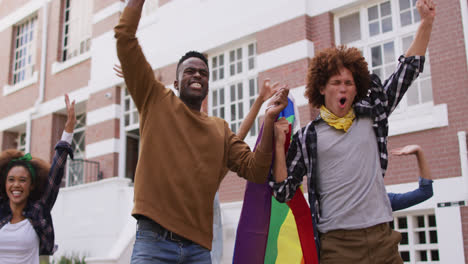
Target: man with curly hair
[343,152]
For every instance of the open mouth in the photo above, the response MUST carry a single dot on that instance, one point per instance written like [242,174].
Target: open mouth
[342,102]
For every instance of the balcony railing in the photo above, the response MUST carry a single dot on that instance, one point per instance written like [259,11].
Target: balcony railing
[83,171]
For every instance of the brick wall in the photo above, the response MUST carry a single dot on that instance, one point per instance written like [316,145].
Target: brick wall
[8,140]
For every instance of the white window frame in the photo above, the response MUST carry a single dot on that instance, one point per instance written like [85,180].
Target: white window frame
[78,26]
[23,66]
[405,119]
[413,247]
[130,112]
[229,80]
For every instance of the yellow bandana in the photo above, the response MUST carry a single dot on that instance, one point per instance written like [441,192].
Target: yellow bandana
[344,122]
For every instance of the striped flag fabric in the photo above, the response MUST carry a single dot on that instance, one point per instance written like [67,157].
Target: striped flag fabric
[271,232]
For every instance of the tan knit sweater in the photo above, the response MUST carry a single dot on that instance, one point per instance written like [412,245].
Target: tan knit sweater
[184,153]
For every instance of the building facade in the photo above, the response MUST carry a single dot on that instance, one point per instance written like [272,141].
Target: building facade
[53,47]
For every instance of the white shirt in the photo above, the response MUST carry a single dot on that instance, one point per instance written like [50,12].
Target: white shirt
[19,243]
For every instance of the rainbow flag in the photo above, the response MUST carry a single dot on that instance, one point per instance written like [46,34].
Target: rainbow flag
[271,232]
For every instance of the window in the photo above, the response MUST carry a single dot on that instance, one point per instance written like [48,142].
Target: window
[234,85]
[77,168]
[24,52]
[383,32]
[77,25]
[131,120]
[419,242]
[150,7]
[78,141]
[21,142]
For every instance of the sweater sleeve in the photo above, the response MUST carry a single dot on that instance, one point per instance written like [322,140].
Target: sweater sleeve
[253,166]
[138,74]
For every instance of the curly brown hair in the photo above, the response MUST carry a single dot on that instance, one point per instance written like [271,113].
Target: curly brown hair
[40,166]
[327,64]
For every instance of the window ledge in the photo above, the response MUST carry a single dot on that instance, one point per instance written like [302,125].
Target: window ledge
[9,89]
[60,66]
[418,119]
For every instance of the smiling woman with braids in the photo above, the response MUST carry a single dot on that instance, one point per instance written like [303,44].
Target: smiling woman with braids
[28,190]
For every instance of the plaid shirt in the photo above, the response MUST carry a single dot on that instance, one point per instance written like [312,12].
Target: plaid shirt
[378,104]
[38,212]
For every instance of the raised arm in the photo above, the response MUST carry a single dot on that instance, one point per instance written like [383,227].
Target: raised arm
[62,150]
[266,91]
[401,201]
[280,172]
[427,11]
[138,74]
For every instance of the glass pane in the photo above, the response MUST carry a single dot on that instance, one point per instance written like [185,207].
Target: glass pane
[221,96]
[215,98]
[420,220]
[406,41]
[426,91]
[385,9]
[240,95]
[433,237]
[350,28]
[239,53]
[221,60]
[376,56]
[251,63]
[389,69]
[232,56]
[252,87]
[233,127]
[405,256]
[251,102]
[412,95]
[240,107]
[239,67]
[404,4]
[253,130]
[215,62]
[374,28]
[389,52]
[251,49]
[422,255]
[432,220]
[378,71]
[402,223]
[215,112]
[372,13]
[233,112]
[404,238]
[435,255]
[421,237]
[221,111]
[416,15]
[405,18]
[221,73]
[214,75]
[387,25]
[233,93]
[135,117]
[232,69]
[127,105]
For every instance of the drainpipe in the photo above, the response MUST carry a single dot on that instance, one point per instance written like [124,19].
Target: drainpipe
[123,136]
[42,76]
[463,158]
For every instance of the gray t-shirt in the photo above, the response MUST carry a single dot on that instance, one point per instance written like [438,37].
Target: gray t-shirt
[350,183]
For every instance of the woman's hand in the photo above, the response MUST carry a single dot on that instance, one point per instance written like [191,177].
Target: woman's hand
[71,118]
